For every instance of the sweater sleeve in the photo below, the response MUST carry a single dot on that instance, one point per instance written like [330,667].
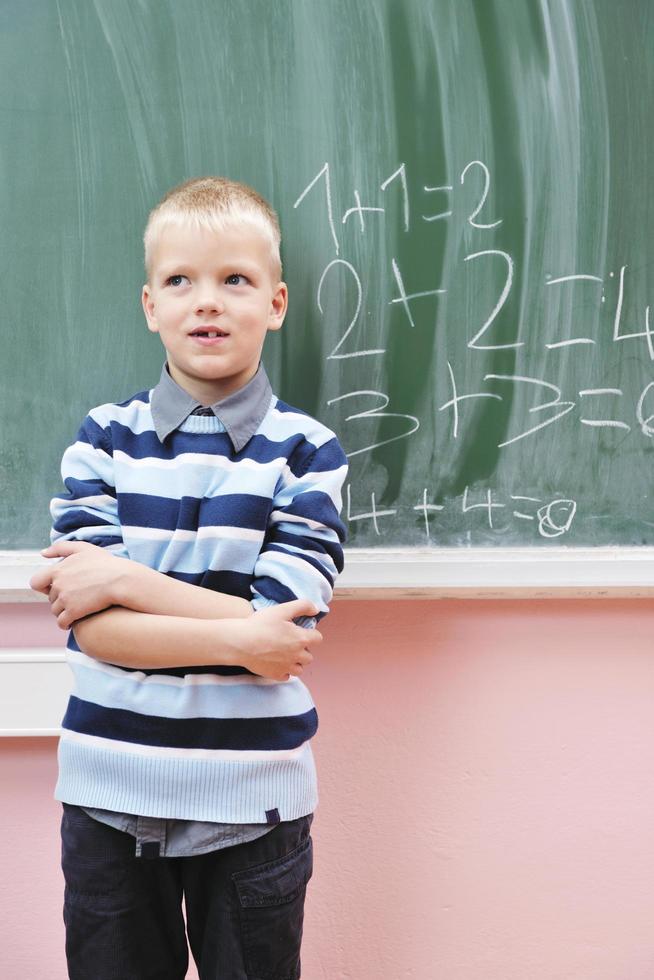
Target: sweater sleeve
[302,553]
[88,511]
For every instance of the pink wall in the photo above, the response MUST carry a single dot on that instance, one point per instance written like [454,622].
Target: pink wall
[487,797]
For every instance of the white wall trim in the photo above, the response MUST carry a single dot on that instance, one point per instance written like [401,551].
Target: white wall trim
[30,732]
[485,573]
[34,689]
[33,655]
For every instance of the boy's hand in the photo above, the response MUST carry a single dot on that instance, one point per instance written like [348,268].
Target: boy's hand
[84,582]
[273,645]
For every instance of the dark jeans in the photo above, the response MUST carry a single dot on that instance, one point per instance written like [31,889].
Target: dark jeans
[123,914]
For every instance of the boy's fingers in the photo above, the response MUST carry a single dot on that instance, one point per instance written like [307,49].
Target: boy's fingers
[40,581]
[297,607]
[64,548]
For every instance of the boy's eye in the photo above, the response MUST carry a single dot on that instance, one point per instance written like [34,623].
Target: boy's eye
[236,279]
[175,280]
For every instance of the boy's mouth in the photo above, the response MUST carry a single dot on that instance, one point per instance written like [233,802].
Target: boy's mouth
[208,333]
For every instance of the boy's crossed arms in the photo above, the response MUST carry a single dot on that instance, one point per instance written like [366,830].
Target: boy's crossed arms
[131,615]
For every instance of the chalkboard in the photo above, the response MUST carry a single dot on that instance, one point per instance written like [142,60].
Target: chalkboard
[465,192]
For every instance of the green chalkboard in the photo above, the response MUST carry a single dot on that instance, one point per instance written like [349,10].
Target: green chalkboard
[466,195]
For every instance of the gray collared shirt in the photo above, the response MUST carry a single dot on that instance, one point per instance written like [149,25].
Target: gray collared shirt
[241,414]
[159,837]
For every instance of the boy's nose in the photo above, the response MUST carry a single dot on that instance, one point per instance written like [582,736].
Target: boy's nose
[209,301]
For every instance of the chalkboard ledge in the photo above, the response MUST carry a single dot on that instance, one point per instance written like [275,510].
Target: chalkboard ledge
[414,573]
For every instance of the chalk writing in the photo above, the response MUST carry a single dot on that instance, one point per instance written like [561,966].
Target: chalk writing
[553,518]
[473,345]
[471,217]
[372,413]
[489,367]
[404,297]
[646,333]
[357,353]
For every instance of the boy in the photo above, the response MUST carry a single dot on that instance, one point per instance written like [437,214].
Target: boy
[185,766]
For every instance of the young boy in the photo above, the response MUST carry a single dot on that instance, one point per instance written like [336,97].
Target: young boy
[185,765]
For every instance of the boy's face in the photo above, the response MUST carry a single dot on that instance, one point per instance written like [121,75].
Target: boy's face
[203,282]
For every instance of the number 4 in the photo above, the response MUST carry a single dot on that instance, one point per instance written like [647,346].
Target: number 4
[618,316]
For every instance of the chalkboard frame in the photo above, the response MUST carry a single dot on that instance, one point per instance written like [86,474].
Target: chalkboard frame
[465,236]
[445,573]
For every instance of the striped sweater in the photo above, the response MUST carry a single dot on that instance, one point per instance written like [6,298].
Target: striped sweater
[261,522]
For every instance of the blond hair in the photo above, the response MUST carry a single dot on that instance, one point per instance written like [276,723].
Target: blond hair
[213,204]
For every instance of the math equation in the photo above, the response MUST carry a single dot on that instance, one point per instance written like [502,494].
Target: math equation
[494,379]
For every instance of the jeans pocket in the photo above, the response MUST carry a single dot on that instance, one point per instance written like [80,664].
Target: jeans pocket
[271,907]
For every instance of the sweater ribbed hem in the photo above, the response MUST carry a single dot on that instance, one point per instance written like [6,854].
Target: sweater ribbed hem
[186,789]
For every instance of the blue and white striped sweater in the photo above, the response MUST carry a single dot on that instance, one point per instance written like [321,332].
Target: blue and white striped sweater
[217,743]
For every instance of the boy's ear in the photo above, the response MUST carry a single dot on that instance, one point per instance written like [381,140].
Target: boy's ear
[278,306]
[148,308]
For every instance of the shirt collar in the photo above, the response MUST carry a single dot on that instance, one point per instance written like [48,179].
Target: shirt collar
[241,412]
